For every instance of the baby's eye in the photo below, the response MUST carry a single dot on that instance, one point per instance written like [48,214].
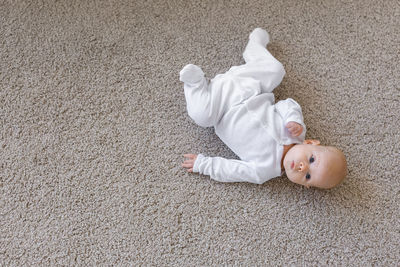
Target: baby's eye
[308,176]
[312,159]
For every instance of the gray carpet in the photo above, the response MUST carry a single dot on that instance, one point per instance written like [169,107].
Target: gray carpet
[94,126]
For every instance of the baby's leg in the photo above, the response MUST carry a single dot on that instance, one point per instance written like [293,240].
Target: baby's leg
[256,47]
[207,103]
[197,94]
[260,64]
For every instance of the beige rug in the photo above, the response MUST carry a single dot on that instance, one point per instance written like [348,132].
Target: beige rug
[94,126]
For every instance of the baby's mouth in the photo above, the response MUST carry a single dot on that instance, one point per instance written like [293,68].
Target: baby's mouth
[292,165]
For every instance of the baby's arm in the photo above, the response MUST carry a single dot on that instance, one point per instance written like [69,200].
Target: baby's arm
[223,170]
[292,116]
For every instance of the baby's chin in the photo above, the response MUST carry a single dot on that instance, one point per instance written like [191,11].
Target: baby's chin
[288,170]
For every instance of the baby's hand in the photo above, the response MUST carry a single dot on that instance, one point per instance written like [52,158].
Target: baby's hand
[188,164]
[294,128]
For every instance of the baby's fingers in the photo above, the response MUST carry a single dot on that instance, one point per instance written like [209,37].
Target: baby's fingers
[298,131]
[292,129]
[188,163]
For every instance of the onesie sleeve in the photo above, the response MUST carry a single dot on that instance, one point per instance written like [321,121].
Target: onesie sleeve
[290,110]
[227,170]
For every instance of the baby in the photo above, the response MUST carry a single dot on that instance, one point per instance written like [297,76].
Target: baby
[268,137]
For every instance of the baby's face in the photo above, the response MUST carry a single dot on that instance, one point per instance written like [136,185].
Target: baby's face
[315,165]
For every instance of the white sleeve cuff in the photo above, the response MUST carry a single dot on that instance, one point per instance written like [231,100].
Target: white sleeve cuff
[294,118]
[197,162]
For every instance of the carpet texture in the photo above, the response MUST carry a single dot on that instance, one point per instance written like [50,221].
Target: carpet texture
[94,126]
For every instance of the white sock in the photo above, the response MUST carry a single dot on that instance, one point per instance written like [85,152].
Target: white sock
[260,36]
[191,74]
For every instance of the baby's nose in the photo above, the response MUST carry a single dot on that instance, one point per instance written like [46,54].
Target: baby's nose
[302,166]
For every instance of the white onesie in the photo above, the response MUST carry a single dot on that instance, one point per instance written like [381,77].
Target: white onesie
[240,106]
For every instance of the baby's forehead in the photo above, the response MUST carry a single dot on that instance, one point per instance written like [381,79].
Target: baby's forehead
[334,152]
[327,150]
[325,166]
[329,159]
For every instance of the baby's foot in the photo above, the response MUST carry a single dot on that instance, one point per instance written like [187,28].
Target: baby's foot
[260,36]
[191,74]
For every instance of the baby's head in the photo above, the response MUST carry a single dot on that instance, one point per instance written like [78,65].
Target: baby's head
[311,164]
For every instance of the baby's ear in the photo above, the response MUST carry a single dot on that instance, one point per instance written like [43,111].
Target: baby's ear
[312,142]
